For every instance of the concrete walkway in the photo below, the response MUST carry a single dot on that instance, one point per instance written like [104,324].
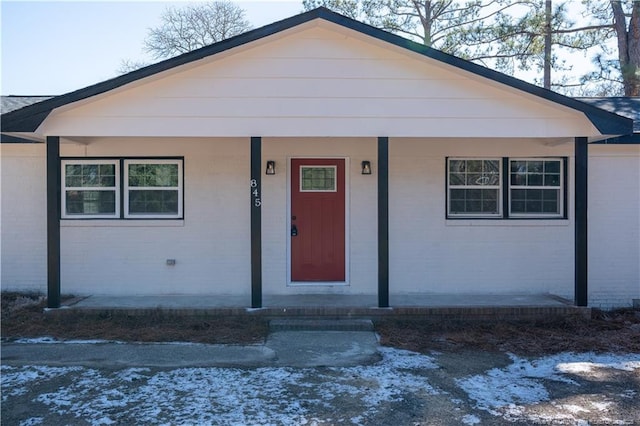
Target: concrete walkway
[282,349]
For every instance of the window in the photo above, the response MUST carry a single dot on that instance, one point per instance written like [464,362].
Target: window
[474,187]
[90,189]
[318,178]
[532,188]
[153,188]
[535,187]
[122,188]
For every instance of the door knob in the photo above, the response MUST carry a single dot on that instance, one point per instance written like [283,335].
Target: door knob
[294,231]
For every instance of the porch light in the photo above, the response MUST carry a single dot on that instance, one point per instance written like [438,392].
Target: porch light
[271,167]
[366,167]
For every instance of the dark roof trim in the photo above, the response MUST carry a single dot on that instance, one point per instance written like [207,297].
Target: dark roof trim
[29,118]
[15,139]
[633,139]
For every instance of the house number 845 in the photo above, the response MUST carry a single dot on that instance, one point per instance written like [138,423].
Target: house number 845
[257,202]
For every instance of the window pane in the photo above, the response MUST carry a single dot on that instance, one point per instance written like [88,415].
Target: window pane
[474,201]
[90,175]
[153,202]
[90,202]
[535,167]
[535,201]
[551,180]
[535,179]
[456,179]
[552,167]
[318,179]
[153,175]
[474,172]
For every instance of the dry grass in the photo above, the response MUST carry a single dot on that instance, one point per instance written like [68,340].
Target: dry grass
[615,331]
[23,320]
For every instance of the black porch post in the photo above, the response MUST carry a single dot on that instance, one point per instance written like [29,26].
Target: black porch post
[383,222]
[581,161]
[256,222]
[53,221]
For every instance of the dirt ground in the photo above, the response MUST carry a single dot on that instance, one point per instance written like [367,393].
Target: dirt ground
[569,371]
[607,331]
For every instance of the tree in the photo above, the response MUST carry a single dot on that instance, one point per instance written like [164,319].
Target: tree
[507,35]
[194,26]
[190,27]
[628,36]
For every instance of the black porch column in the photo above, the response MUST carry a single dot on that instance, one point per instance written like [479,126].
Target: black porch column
[581,161]
[383,222]
[53,221]
[256,222]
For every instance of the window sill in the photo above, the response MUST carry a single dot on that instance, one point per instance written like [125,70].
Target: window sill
[508,223]
[119,223]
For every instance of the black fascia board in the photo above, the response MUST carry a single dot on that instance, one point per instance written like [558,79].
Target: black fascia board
[29,118]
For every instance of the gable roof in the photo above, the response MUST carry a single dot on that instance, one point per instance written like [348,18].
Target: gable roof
[28,119]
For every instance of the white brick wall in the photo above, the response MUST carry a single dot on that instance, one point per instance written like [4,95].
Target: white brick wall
[614,225]
[211,246]
[23,218]
[428,253]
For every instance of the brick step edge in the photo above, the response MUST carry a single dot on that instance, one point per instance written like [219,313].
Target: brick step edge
[320,325]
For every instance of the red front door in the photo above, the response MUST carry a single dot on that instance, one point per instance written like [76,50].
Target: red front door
[317,220]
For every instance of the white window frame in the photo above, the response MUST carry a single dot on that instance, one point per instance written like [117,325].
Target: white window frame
[561,188]
[65,188]
[179,188]
[498,187]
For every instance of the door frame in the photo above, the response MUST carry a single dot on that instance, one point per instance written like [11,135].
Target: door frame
[347,209]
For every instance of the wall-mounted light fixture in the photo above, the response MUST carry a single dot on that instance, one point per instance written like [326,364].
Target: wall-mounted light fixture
[271,167]
[366,167]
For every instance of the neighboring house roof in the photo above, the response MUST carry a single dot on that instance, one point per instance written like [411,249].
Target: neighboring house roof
[625,106]
[15,102]
[28,119]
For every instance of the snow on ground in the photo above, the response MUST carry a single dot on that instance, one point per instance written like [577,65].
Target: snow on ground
[290,396]
[507,390]
[284,396]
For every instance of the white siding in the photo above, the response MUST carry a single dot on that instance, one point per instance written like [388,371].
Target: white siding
[211,245]
[320,80]
[23,218]
[614,225]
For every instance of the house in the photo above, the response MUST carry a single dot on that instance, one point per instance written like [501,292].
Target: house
[319,155]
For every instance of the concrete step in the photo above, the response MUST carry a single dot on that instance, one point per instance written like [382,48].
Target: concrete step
[301,324]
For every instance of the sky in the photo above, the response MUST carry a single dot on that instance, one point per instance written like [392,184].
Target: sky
[55,47]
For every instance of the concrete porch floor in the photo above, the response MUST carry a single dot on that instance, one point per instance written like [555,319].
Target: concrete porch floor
[436,306]
[319,300]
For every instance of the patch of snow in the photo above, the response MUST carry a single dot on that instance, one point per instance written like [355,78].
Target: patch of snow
[283,396]
[470,419]
[52,340]
[504,391]
[32,421]
[15,380]
[629,393]
[589,367]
